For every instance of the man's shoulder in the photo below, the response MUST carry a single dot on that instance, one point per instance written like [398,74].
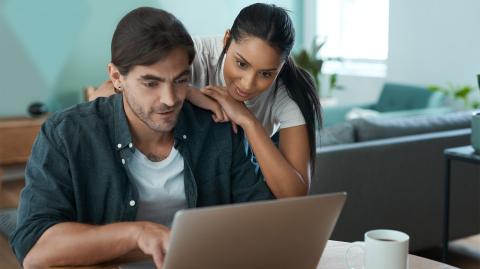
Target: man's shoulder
[194,112]
[88,113]
[198,119]
[195,118]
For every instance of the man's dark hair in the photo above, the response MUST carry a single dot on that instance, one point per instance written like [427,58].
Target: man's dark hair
[145,36]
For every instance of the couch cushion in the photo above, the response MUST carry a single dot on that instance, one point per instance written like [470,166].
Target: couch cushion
[396,97]
[378,128]
[341,133]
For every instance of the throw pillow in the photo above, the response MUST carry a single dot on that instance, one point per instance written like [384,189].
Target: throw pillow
[341,133]
[378,128]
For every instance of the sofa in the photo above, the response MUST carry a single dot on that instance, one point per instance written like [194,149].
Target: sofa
[393,172]
[396,100]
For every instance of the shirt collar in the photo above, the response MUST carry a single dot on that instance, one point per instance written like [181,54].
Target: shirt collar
[122,134]
[183,127]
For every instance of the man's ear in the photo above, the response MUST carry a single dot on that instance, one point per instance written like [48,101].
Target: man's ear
[226,38]
[115,76]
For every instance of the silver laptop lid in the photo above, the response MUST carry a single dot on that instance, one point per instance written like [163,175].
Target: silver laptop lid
[286,233]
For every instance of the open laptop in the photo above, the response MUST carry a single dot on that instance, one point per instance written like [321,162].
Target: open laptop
[286,233]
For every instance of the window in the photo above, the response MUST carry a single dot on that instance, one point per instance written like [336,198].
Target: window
[357,32]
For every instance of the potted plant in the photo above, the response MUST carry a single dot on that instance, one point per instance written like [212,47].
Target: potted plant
[460,93]
[313,63]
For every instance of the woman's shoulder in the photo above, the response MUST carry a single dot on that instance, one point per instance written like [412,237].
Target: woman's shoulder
[208,45]
[280,97]
[208,51]
[276,95]
[282,103]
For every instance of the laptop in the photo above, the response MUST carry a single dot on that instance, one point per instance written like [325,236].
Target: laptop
[285,233]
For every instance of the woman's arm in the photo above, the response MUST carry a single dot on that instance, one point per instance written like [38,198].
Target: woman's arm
[104,90]
[72,243]
[199,99]
[285,169]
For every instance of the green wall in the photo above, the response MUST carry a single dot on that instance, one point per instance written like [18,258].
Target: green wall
[51,49]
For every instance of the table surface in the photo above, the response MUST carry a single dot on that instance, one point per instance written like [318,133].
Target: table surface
[332,258]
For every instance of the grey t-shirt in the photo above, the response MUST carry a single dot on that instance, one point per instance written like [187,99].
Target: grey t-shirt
[273,111]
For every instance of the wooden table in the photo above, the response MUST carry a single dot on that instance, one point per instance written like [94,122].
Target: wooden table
[332,258]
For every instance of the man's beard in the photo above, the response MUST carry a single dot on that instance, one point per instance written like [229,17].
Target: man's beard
[160,126]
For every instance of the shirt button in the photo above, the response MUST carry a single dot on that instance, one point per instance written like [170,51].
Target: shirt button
[123,161]
[130,145]
[184,136]
[132,203]
[119,145]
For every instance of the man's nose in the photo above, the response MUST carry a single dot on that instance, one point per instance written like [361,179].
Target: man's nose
[167,95]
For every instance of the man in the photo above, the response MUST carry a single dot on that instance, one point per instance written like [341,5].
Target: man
[106,177]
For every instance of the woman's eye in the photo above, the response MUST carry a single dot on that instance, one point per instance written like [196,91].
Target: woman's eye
[266,74]
[241,64]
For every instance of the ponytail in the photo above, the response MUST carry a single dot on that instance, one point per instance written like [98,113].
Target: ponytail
[301,89]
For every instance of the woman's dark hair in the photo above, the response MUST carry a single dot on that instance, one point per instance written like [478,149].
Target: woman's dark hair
[145,35]
[273,25]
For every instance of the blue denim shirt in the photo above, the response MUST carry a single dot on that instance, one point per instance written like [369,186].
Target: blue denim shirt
[77,169]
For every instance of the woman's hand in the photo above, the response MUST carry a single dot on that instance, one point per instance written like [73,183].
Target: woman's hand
[196,97]
[106,89]
[236,111]
[199,99]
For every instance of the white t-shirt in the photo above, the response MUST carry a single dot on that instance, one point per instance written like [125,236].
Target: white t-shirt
[273,112]
[160,186]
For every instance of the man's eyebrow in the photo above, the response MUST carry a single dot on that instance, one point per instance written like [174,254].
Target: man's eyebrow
[153,77]
[263,70]
[185,72]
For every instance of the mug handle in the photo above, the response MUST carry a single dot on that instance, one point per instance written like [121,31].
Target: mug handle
[357,244]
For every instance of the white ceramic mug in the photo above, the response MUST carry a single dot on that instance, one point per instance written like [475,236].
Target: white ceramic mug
[382,249]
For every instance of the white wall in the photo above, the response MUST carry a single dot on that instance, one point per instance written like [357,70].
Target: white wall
[430,42]
[434,41]
[51,49]
[213,17]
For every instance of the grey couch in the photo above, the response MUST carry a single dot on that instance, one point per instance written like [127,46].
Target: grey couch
[393,172]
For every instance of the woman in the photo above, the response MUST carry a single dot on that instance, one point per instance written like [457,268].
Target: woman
[257,86]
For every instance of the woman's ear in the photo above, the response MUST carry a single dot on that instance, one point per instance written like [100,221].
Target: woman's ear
[115,76]
[226,38]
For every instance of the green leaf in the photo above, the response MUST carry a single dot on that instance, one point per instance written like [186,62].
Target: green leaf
[434,88]
[463,92]
[317,46]
[333,81]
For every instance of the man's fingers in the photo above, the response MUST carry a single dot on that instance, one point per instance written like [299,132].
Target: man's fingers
[166,242]
[158,260]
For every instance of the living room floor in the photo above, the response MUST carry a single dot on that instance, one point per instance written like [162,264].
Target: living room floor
[10,191]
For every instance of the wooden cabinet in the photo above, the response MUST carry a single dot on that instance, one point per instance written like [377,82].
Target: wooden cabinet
[16,139]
